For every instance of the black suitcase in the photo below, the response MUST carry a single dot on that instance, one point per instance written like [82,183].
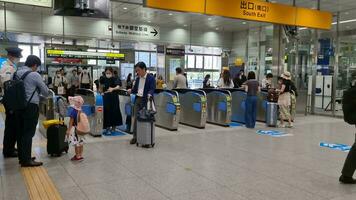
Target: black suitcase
[55,140]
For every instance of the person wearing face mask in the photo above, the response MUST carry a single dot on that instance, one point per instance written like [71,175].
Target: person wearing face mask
[6,73]
[60,83]
[85,79]
[112,113]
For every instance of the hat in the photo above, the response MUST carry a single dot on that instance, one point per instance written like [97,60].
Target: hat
[76,102]
[14,51]
[286,75]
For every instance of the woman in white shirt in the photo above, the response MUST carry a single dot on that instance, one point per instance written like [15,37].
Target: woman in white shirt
[225,81]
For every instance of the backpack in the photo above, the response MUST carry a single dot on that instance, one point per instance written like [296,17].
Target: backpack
[83,126]
[15,93]
[349,105]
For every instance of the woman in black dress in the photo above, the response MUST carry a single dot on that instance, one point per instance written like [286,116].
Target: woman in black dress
[112,113]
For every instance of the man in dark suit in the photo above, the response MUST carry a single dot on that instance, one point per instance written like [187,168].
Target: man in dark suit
[144,88]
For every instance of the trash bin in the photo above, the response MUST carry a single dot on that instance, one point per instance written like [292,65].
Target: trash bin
[272,114]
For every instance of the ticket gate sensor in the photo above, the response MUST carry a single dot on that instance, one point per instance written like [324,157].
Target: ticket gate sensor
[168,109]
[97,120]
[238,98]
[193,107]
[262,106]
[218,107]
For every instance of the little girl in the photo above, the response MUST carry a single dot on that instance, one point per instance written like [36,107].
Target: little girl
[77,140]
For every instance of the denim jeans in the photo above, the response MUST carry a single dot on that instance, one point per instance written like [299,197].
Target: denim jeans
[251,111]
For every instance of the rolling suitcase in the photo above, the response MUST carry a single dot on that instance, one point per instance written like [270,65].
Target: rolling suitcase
[56,144]
[146,126]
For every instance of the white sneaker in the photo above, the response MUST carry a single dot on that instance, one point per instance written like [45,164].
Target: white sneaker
[291,125]
[281,126]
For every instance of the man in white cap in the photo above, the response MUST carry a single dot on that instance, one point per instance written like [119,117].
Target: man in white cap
[6,73]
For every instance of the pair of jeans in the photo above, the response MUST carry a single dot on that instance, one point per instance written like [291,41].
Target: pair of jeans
[27,123]
[350,162]
[250,111]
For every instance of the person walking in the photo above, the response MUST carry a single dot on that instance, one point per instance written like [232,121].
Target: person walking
[73,83]
[85,79]
[112,113]
[206,82]
[129,82]
[252,88]
[144,89]
[180,81]
[28,118]
[225,81]
[59,83]
[349,109]
[6,73]
[239,79]
[284,99]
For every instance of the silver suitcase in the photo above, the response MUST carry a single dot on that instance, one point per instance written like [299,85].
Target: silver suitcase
[272,114]
[145,133]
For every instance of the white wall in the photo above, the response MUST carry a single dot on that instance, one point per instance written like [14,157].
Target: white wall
[46,24]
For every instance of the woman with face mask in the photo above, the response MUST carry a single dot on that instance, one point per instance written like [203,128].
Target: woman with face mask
[60,83]
[112,113]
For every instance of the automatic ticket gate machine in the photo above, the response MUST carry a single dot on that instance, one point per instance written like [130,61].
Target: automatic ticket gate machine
[238,98]
[97,121]
[126,108]
[193,107]
[218,106]
[262,106]
[168,109]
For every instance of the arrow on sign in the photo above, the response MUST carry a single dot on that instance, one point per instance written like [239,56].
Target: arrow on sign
[155,32]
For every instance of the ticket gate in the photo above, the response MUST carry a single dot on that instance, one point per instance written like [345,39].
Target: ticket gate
[193,107]
[97,121]
[238,105]
[126,108]
[262,106]
[218,106]
[168,109]
[87,95]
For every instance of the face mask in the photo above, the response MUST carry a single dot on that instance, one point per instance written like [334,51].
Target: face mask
[108,75]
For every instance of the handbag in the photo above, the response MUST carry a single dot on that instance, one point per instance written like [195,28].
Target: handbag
[148,112]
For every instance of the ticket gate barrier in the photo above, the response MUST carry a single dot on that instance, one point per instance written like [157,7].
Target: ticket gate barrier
[238,98]
[126,109]
[262,106]
[47,110]
[168,109]
[218,106]
[97,121]
[193,107]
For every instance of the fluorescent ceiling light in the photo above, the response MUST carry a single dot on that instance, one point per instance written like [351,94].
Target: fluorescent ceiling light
[125,8]
[334,23]
[170,14]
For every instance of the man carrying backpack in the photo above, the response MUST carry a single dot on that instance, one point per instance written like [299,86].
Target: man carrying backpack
[6,73]
[28,117]
[348,107]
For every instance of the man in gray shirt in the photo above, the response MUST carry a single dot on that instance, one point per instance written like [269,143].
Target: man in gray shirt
[28,118]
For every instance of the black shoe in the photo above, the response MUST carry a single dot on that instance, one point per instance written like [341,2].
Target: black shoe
[31,163]
[32,158]
[347,180]
[133,141]
[14,154]
[146,146]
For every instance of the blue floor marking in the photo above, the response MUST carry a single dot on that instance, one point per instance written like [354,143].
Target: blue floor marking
[114,134]
[235,124]
[273,133]
[339,147]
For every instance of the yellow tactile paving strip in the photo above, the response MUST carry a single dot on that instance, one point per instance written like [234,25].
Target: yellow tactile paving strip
[39,184]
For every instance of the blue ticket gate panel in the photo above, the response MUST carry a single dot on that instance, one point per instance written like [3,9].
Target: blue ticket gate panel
[218,106]
[193,107]
[262,106]
[238,98]
[168,109]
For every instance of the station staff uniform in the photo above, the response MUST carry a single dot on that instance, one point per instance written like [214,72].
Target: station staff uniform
[28,118]
[143,88]
[6,72]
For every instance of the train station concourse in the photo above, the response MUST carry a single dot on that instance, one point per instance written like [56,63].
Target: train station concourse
[177,100]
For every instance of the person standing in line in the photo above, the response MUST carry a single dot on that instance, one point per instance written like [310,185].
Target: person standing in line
[206,82]
[240,79]
[112,113]
[225,81]
[129,82]
[59,83]
[73,83]
[144,88]
[349,105]
[284,100]
[252,88]
[180,81]
[6,73]
[267,82]
[28,118]
[85,79]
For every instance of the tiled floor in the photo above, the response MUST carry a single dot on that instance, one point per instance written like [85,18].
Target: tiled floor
[212,164]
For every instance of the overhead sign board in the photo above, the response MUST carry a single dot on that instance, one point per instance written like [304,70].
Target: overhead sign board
[254,10]
[54,53]
[134,31]
[42,3]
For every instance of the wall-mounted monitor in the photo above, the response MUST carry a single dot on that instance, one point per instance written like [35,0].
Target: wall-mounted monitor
[82,8]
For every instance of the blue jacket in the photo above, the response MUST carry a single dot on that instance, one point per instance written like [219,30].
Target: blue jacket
[150,86]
